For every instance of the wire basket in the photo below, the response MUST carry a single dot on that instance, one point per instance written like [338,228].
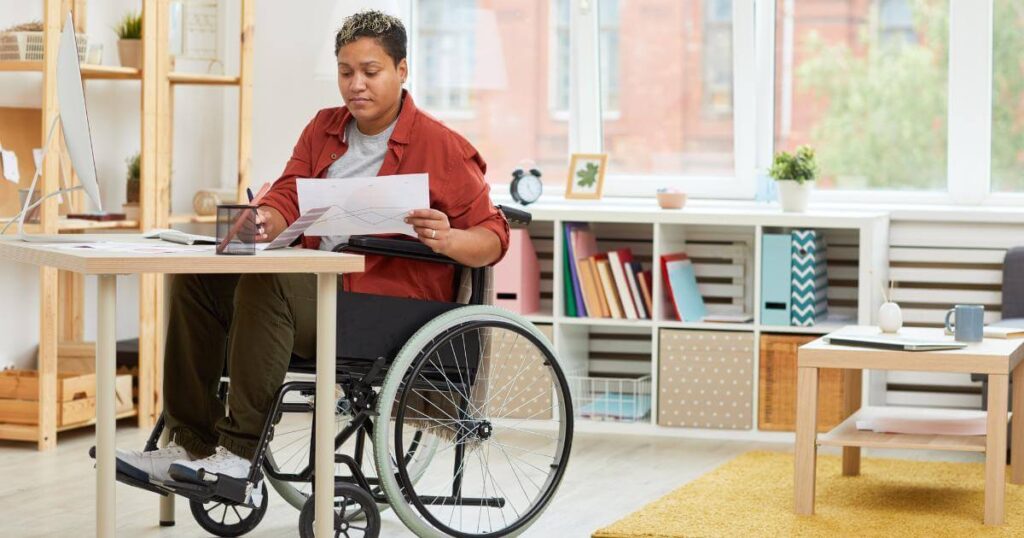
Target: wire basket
[29,46]
[619,399]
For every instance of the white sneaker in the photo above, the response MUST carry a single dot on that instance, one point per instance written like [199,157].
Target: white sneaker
[223,462]
[153,465]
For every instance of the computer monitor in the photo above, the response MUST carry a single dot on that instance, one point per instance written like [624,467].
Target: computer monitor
[74,119]
[75,122]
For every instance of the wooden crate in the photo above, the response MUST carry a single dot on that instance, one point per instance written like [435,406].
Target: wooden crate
[776,401]
[76,397]
[76,357]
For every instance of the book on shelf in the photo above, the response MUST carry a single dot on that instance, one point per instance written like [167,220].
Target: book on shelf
[569,301]
[681,287]
[617,259]
[573,287]
[608,285]
[584,246]
[633,270]
[646,285]
[599,295]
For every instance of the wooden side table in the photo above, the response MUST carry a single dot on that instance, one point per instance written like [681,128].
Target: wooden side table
[996,358]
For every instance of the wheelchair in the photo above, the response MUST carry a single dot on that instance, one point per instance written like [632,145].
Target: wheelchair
[435,404]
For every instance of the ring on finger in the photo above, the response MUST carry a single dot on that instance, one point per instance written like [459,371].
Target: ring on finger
[433,234]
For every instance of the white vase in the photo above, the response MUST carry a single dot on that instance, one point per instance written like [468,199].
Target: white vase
[890,318]
[793,195]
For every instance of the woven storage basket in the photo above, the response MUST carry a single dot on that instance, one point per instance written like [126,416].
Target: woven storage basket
[28,46]
[776,406]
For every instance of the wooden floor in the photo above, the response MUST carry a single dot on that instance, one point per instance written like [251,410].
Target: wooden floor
[51,493]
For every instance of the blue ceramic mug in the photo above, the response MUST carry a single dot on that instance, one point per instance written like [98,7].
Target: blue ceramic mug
[969,324]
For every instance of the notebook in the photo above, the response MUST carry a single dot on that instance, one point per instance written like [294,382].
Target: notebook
[898,343]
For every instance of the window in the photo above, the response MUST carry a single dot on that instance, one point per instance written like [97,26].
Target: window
[484,73]
[669,68]
[896,22]
[609,45]
[876,114]
[1007,96]
[717,91]
[446,55]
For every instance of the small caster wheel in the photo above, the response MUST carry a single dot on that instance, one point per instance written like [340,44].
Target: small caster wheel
[228,520]
[355,514]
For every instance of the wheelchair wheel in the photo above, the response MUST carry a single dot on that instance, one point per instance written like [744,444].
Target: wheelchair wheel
[486,382]
[289,450]
[355,514]
[228,520]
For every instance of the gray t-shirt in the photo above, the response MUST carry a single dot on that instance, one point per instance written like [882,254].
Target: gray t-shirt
[364,158]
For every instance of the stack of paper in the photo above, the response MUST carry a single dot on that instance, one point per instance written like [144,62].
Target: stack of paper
[922,421]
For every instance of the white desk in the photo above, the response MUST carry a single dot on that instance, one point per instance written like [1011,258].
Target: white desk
[107,265]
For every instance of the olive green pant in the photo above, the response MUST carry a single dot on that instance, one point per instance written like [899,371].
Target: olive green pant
[252,324]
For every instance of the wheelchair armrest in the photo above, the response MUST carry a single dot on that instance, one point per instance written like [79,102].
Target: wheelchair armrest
[515,216]
[396,248]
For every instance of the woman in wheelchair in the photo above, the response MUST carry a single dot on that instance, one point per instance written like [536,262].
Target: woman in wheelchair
[443,393]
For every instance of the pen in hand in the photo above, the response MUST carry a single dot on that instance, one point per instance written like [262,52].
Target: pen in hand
[259,229]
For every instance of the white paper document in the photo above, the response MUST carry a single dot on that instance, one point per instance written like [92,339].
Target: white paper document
[136,248]
[289,235]
[364,205]
[10,164]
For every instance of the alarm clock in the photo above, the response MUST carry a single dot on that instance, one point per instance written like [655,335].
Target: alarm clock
[526,186]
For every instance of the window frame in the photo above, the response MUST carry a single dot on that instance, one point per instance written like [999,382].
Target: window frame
[585,118]
[969,108]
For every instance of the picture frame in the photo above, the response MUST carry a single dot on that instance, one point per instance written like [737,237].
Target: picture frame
[585,183]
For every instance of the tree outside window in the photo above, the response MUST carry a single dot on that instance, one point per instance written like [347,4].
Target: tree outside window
[876,113]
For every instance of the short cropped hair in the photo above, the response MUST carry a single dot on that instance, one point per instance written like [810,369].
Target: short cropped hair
[388,30]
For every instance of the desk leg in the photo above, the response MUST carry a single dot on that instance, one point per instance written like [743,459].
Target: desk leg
[105,424]
[326,327]
[995,450]
[1017,428]
[806,442]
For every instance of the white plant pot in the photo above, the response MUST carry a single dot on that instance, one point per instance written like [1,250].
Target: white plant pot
[793,195]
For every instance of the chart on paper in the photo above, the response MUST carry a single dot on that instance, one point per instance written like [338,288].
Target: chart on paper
[364,205]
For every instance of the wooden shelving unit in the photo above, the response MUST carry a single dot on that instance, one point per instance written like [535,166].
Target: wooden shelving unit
[89,72]
[61,294]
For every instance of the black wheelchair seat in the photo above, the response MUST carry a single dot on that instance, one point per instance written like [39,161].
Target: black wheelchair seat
[373,326]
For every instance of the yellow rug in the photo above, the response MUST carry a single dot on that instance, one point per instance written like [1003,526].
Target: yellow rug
[752,496]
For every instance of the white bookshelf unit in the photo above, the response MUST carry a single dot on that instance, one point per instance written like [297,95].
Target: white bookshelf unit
[725,244]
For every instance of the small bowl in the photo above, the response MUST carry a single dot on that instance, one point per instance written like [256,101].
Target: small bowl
[671,200]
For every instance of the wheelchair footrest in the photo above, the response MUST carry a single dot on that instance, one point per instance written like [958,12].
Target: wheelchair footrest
[226,488]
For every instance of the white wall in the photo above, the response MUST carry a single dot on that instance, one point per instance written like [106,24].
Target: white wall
[290,45]
[203,157]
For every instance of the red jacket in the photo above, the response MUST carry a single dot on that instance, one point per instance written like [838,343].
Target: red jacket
[418,144]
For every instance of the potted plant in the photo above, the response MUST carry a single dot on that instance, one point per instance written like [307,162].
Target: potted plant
[129,44]
[794,174]
[131,204]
